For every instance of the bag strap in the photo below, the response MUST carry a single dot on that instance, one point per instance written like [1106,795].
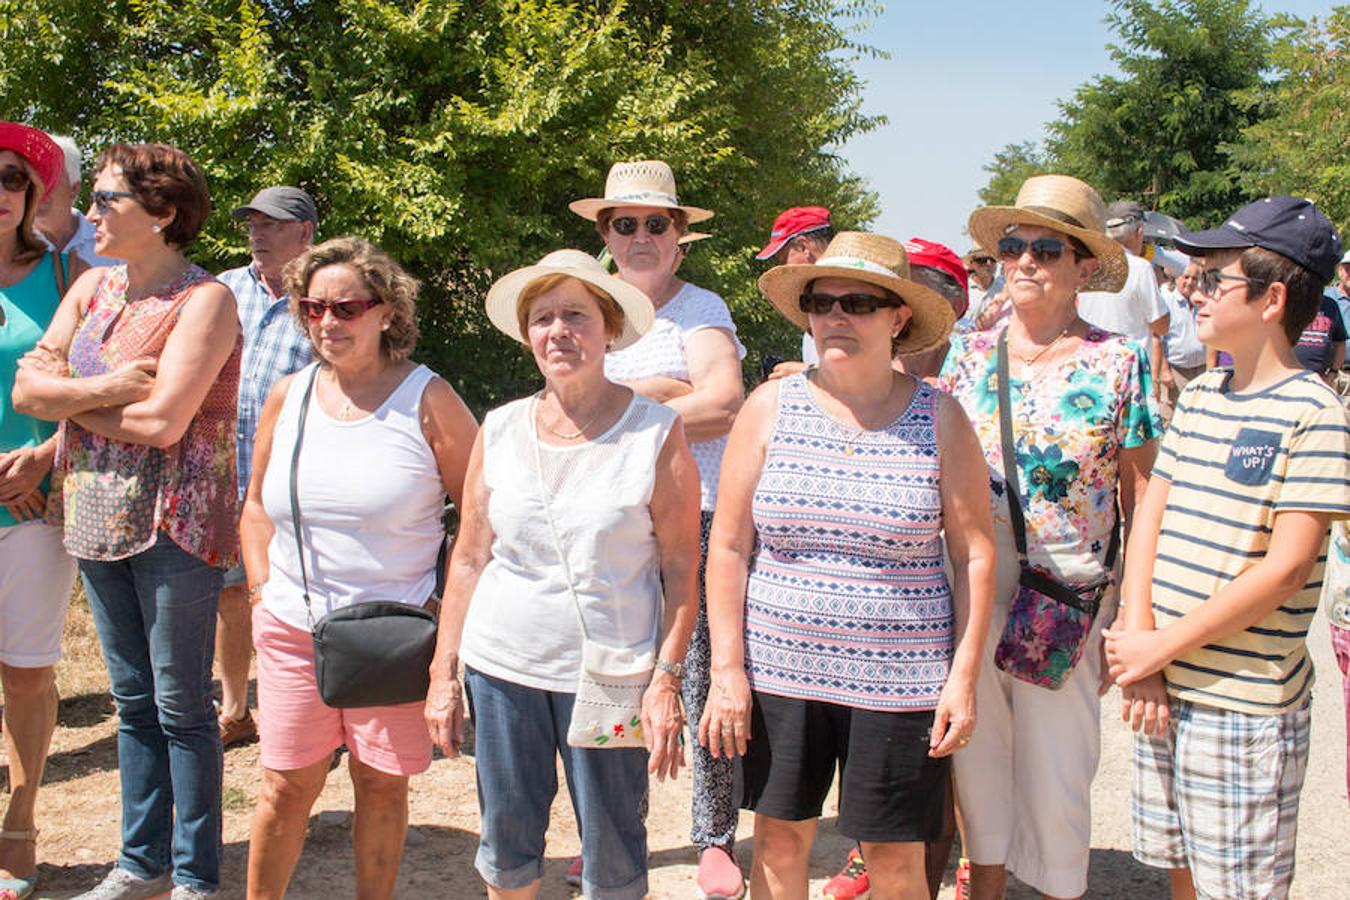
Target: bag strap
[59,271]
[1011,481]
[295,494]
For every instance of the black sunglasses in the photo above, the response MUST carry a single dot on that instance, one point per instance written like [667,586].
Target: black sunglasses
[853,304]
[1207,282]
[1044,250]
[15,180]
[981,260]
[628,225]
[102,200]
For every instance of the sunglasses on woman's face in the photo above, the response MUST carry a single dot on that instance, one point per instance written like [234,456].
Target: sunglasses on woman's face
[628,225]
[102,200]
[14,179]
[853,304]
[1044,250]
[343,310]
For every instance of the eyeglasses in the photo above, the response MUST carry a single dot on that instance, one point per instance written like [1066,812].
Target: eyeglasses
[343,310]
[1044,250]
[1208,282]
[15,180]
[982,260]
[102,200]
[853,304]
[628,225]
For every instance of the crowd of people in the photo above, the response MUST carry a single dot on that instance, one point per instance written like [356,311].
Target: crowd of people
[653,569]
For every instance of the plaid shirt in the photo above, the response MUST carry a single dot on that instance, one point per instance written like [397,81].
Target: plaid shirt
[274,346]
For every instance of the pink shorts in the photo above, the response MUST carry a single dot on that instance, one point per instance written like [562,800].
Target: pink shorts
[297,729]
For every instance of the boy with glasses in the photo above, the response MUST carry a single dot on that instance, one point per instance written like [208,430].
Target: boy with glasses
[1224,565]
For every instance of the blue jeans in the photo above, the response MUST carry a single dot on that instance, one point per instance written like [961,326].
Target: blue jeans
[518,731]
[156,618]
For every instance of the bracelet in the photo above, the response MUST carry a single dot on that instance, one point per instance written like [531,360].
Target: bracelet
[673,669]
[254,593]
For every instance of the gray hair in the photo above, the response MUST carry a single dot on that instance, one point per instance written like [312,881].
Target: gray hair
[942,282]
[71,151]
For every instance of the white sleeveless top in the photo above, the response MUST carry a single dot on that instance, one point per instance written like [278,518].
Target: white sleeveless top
[522,623]
[371,499]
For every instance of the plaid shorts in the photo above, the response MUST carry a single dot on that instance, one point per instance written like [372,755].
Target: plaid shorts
[1219,795]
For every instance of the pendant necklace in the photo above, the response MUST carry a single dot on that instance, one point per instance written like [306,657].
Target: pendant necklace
[1031,360]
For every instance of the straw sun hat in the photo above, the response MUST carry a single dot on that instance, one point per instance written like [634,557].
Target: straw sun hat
[1066,205]
[638,312]
[872,259]
[648,182]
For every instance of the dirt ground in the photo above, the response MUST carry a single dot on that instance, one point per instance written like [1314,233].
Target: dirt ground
[78,811]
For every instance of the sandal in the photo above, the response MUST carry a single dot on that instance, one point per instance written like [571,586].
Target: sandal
[15,888]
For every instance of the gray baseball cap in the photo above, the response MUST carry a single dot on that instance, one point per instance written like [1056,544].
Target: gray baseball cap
[1123,212]
[288,204]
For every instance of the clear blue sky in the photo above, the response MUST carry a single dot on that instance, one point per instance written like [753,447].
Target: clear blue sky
[966,78]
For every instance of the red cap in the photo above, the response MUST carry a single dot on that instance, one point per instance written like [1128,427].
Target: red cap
[938,256]
[38,150]
[792,222]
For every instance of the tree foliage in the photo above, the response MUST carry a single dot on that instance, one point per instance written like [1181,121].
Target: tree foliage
[454,133]
[1010,167]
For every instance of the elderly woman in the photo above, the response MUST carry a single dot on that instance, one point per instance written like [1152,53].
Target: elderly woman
[579,527]
[365,408]
[1084,431]
[142,364]
[35,571]
[689,360]
[832,617]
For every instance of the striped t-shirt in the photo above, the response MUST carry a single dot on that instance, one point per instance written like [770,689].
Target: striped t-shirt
[1235,461]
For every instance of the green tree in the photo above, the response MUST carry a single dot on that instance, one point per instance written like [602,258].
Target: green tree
[455,133]
[1302,146]
[1010,167]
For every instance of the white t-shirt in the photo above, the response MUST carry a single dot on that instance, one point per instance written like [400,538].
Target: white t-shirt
[522,623]
[371,499]
[660,353]
[1182,339]
[1130,310]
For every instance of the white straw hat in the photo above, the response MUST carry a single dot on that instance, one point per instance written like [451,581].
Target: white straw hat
[648,182]
[502,297]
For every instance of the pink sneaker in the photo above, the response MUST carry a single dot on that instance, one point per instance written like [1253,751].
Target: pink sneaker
[852,882]
[719,878]
[573,876]
[963,879]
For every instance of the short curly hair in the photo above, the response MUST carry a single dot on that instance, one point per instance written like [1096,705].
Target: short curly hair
[163,178]
[385,279]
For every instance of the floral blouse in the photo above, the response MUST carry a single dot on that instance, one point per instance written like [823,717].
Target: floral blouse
[1069,423]
[115,496]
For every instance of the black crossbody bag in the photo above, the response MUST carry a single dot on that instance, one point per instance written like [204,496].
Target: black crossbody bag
[374,653]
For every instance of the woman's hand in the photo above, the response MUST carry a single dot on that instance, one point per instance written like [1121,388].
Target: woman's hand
[954,719]
[21,471]
[1144,705]
[444,713]
[30,506]
[725,726]
[130,383]
[662,726]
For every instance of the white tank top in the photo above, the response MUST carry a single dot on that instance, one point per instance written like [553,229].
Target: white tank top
[371,499]
[522,623]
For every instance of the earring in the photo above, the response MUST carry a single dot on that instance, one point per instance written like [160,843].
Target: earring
[384,327]
[156,228]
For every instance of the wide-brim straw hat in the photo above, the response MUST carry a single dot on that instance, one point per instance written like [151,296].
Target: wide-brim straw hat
[871,259]
[647,182]
[638,312]
[1064,204]
[693,237]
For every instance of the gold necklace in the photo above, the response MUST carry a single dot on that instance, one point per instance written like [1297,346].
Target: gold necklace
[1031,360]
[567,436]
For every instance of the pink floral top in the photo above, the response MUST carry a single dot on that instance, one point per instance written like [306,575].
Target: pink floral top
[1069,424]
[116,496]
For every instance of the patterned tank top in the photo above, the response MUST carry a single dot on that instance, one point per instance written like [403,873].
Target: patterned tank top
[117,496]
[847,600]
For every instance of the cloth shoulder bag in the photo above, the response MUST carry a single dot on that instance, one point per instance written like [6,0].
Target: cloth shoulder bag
[1049,619]
[373,653]
[607,710]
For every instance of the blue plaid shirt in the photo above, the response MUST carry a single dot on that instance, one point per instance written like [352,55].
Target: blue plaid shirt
[274,346]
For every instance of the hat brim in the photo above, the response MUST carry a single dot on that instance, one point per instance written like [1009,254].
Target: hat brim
[638,312]
[989,223]
[1198,243]
[932,316]
[591,207]
[272,212]
[774,246]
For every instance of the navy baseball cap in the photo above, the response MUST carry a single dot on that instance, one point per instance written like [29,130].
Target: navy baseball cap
[1290,226]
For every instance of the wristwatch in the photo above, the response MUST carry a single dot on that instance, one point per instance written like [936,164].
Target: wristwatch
[673,669]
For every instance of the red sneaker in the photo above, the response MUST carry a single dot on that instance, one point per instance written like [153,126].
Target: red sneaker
[573,876]
[963,879]
[719,878]
[852,882]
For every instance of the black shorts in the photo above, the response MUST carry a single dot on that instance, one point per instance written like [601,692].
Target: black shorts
[890,789]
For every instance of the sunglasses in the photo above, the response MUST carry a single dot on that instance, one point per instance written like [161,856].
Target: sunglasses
[1207,282]
[853,304]
[982,260]
[628,225]
[1044,250]
[343,310]
[15,180]
[102,200]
